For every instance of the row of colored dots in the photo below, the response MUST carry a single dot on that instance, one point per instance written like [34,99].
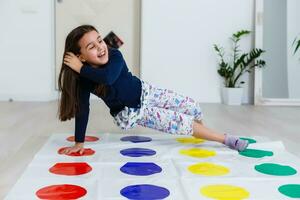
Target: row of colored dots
[145,191]
[141,191]
[68,191]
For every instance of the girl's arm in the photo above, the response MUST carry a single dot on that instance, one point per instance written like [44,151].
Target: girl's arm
[110,71]
[106,75]
[81,117]
[81,120]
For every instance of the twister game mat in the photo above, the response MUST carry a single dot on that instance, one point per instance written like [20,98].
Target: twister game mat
[159,166]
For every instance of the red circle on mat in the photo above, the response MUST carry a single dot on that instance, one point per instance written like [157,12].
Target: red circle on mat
[87,139]
[61,192]
[70,169]
[86,152]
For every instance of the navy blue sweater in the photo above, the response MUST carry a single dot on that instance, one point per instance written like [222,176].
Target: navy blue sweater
[123,89]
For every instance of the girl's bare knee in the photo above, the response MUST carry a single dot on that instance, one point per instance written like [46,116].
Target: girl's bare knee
[197,126]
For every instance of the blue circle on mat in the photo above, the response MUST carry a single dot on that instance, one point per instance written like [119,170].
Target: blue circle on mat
[145,192]
[137,152]
[140,168]
[136,139]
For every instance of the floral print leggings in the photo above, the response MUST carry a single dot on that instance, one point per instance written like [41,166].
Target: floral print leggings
[162,110]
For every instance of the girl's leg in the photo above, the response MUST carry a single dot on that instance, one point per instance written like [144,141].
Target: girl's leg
[171,100]
[200,131]
[177,123]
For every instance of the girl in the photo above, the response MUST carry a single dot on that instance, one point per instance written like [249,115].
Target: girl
[89,66]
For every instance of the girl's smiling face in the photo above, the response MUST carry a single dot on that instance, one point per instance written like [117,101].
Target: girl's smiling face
[93,49]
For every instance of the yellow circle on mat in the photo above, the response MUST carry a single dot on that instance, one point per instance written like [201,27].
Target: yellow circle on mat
[208,169]
[190,140]
[197,152]
[224,192]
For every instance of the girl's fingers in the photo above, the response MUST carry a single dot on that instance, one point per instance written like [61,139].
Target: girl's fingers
[70,150]
[75,150]
[68,57]
[66,60]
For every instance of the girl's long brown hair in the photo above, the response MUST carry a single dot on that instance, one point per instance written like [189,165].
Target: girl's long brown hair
[68,81]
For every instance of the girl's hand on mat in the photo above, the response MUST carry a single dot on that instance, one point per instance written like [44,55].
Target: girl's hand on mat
[72,61]
[78,147]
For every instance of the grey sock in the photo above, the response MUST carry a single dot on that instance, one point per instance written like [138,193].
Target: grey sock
[236,143]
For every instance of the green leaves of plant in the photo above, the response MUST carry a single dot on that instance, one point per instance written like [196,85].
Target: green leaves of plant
[239,34]
[255,53]
[241,63]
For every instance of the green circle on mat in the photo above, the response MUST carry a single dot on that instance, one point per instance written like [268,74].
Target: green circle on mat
[255,153]
[275,169]
[290,190]
[250,140]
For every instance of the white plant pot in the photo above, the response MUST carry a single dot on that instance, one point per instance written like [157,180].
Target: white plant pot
[232,96]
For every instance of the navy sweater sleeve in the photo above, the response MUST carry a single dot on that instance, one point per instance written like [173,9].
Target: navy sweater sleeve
[110,71]
[82,116]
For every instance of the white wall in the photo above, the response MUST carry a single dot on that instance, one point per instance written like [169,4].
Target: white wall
[177,43]
[187,29]
[26,50]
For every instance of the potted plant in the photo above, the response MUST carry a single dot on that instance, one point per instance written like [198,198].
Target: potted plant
[237,64]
